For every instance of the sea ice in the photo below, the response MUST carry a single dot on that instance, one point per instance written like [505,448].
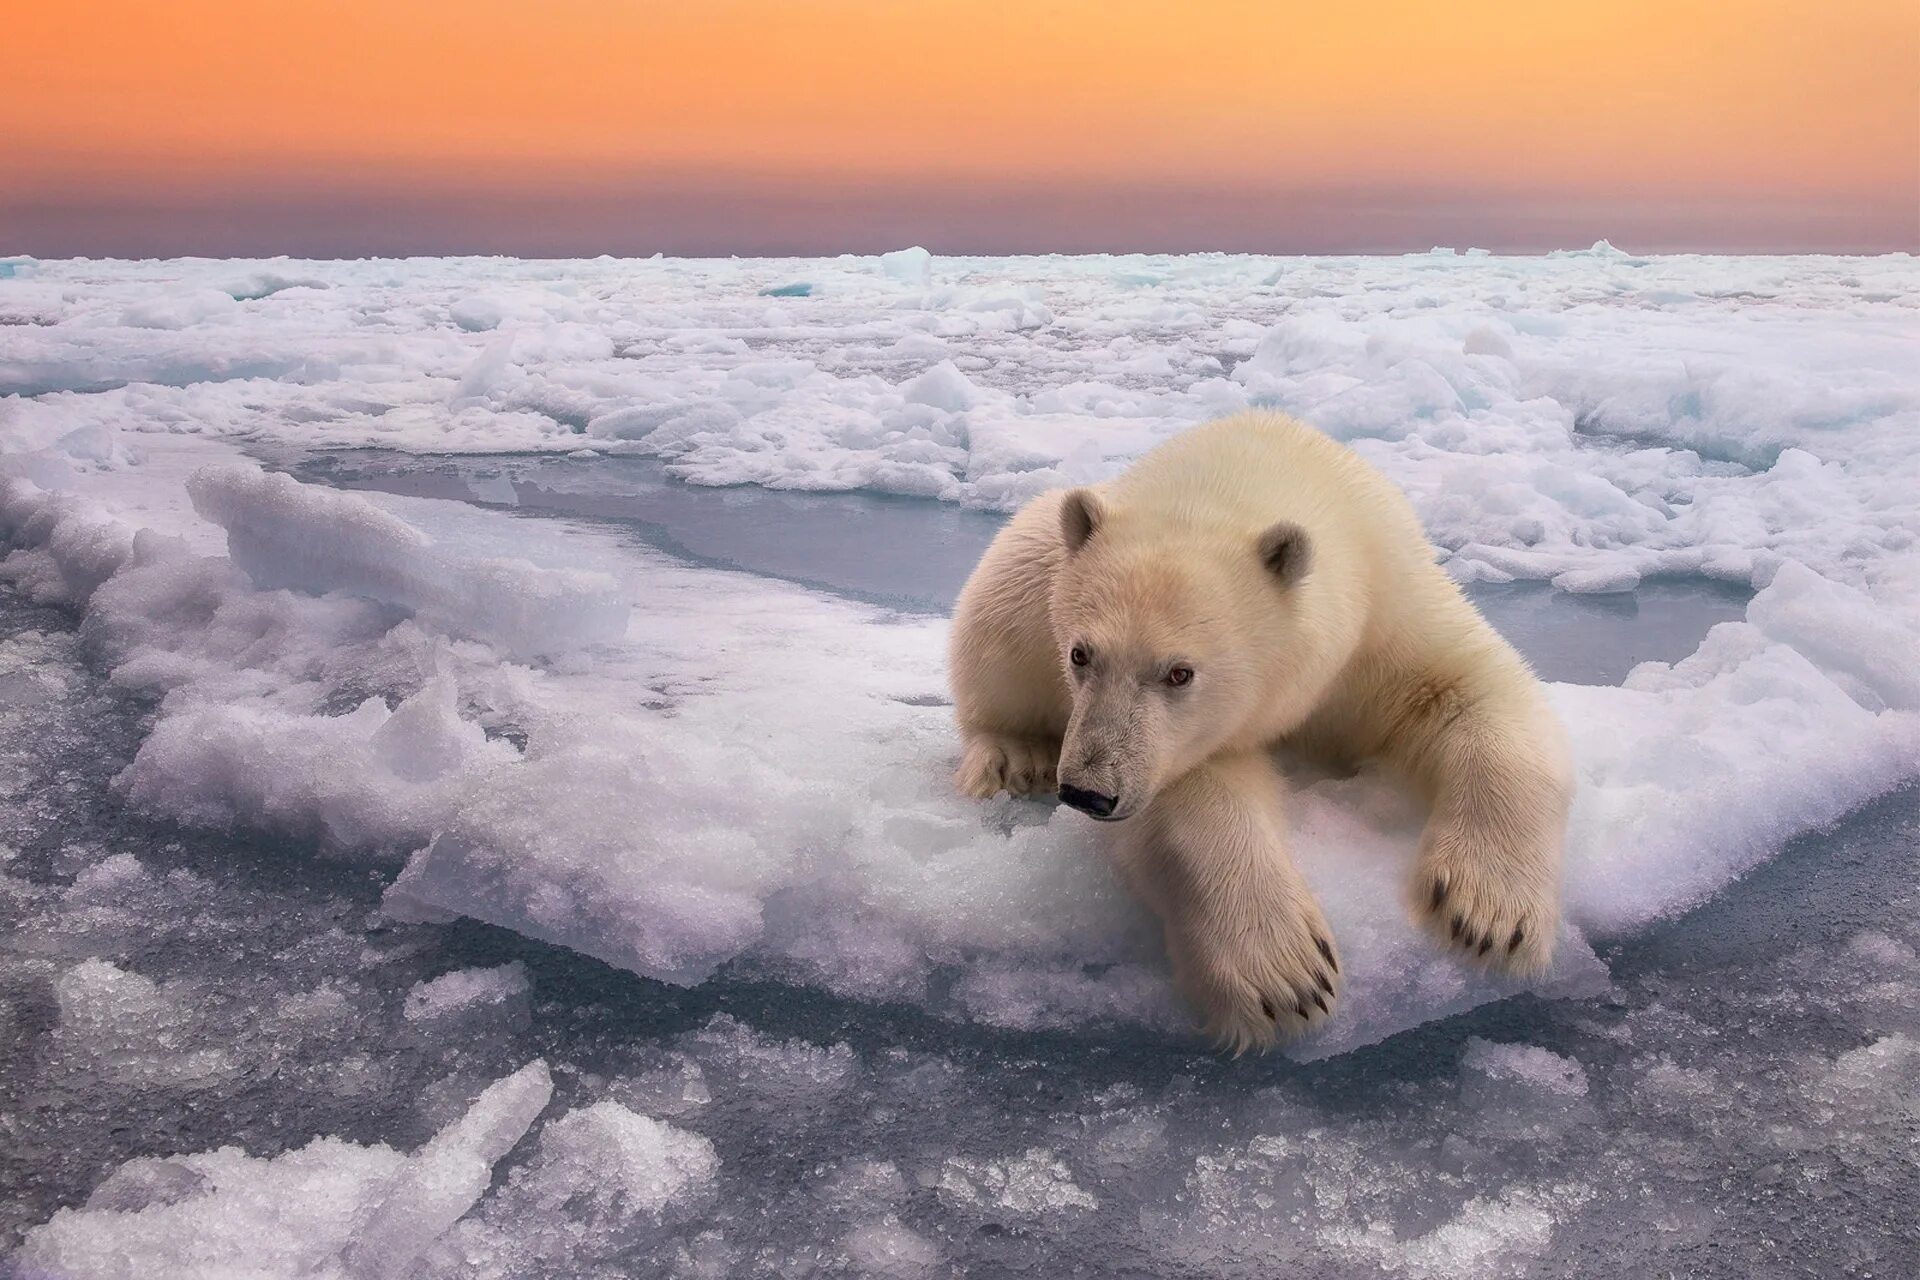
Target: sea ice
[687,771]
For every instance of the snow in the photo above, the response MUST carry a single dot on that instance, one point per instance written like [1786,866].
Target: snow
[707,762]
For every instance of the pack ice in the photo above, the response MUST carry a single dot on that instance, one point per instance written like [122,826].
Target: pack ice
[685,770]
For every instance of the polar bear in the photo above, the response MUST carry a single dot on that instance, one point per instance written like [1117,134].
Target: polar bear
[1144,645]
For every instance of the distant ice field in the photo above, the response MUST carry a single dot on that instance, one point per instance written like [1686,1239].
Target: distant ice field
[604,602]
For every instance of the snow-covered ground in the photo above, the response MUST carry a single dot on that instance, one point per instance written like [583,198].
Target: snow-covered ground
[482,642]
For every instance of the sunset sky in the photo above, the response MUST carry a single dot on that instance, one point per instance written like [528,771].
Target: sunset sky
[712,126]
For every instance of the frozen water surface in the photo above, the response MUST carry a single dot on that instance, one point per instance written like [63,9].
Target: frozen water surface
[561,880]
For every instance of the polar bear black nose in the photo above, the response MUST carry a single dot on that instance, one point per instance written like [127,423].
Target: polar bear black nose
[1090,802]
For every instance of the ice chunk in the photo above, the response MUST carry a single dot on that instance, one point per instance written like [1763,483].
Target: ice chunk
[219,1213]
[616,1164]
[373,780]
[445,1178]
[1874,1084]
[1601,249]
[497,489]
[1871,649]
[943,387]
[328,1209]
[131,1030]
[676,1087]
[145,1183]
[891,1249]
[1614,578]
[1485,340]
[1694,772]
[478,313]
[637,422]
[466,993]
[255,285]
[640,872]
[794,1074]
[60,550]
[1034,1184]
[920,346]
[602,1181]
[282,533]
[1489,1236]
[1527,1065]
[909,266]
[864,1184]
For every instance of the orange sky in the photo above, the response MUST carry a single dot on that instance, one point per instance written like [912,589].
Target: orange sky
[1652,104]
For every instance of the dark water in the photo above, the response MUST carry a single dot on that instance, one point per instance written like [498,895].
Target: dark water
[915,554]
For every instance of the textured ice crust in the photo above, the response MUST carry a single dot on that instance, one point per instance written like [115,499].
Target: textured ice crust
[751,777]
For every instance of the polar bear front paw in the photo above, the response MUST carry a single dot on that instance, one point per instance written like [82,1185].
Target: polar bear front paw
[1258,978]
[994,763]
[1497,907]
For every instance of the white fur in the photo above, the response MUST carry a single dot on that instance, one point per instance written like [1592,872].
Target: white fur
[1296,585]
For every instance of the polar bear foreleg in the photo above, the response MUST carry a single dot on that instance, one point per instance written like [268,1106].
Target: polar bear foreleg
[1496,772]
[1249,945]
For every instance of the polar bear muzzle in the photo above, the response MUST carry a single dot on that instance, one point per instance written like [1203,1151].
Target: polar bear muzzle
[1091,803]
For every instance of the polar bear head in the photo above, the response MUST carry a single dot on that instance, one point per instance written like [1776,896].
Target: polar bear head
[1173,640]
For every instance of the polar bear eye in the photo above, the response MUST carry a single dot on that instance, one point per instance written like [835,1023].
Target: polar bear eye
[1077,656]
[1180,675]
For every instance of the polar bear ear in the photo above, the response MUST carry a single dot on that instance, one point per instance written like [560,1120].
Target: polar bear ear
[1286,551]
[1080,514]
